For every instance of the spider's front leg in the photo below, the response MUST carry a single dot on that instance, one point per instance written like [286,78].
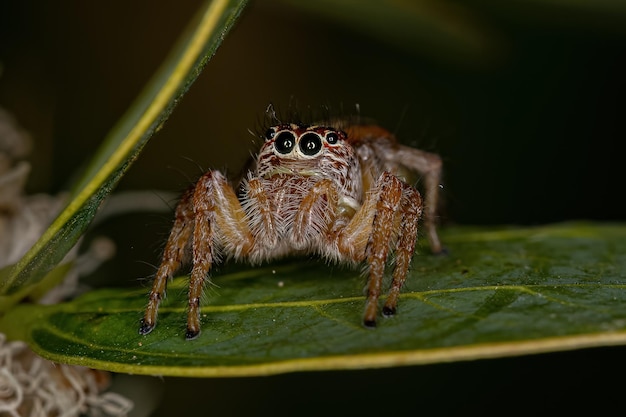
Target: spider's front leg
[409,213]
[173,255]
[397,212]
[390,214]
[208,213]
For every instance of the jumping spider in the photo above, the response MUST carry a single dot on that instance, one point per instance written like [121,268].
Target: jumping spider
[335,192]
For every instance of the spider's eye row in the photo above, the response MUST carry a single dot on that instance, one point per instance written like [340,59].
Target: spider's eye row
[284,142]
[310,143]
[270,133]
[332,137]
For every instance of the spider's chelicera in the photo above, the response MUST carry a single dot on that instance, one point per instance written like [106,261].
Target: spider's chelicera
[336,192]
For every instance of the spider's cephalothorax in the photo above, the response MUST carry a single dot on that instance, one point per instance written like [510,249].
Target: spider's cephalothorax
[312,189]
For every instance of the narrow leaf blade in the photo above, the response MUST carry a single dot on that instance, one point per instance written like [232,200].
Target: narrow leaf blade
[126,140]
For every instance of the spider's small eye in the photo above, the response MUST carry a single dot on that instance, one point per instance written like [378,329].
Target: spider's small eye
[284,142]
[310,143]
[332,137]
[269,134]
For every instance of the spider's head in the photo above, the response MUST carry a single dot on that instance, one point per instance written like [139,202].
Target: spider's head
[294,149]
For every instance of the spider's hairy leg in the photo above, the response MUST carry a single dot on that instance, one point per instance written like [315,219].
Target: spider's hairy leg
[216,209]
[410,212]
[429,165]
[377,250]
[173,256]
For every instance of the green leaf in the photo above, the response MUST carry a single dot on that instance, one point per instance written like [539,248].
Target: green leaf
[500,292]
[35,291]
[126,140]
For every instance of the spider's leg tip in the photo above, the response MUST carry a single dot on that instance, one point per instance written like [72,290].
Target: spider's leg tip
[389,311]
[443,251]
[369,324]
[145,328]
[192,334]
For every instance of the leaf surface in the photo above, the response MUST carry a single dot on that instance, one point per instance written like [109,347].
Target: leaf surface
[500,292]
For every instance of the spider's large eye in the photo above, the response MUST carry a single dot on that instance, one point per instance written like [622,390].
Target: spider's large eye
[332,137]
[284,142]
[310,143]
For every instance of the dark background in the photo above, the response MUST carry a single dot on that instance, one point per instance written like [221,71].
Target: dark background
[530,127]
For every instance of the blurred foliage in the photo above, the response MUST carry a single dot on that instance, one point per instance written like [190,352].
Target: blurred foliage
[125,142]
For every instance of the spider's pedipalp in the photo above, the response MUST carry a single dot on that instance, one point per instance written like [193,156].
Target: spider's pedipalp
[315,213]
